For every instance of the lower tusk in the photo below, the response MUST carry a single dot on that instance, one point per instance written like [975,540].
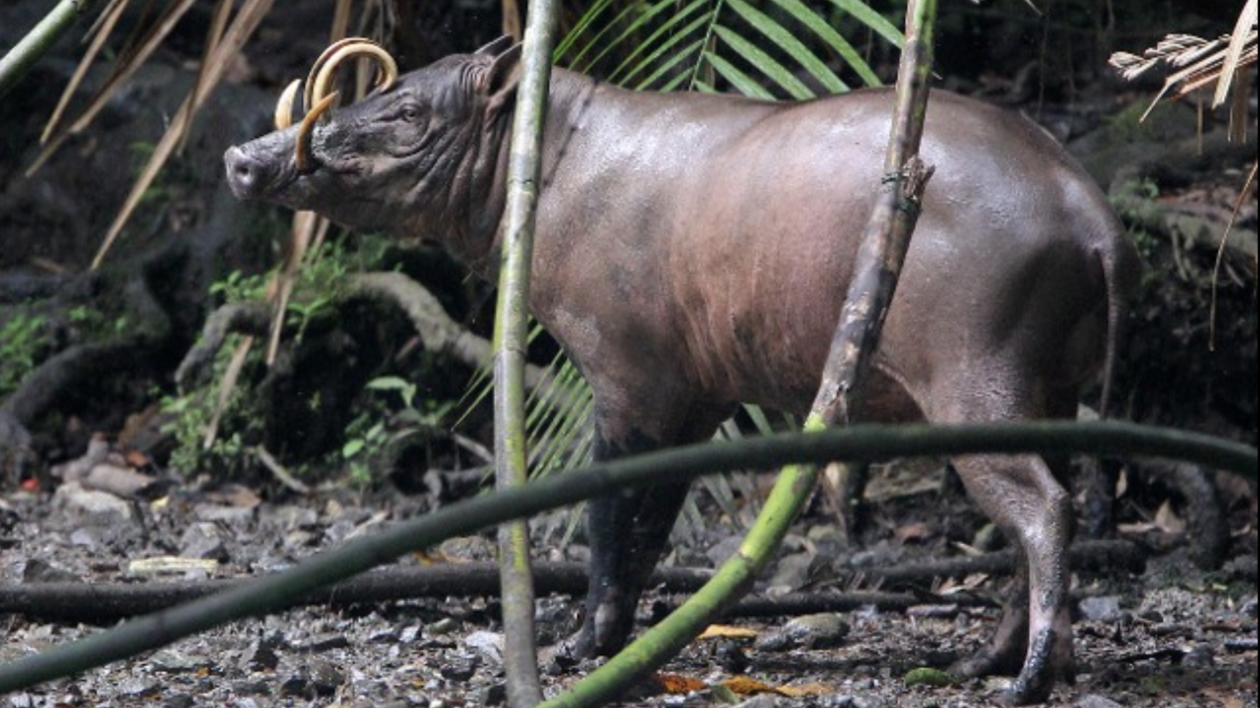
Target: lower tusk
[302,147]
[284,107]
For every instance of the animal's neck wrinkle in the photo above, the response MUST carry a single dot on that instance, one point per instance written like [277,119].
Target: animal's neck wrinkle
[569,98]
[474,236]
[477,244]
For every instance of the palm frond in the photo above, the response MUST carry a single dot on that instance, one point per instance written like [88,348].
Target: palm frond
[762,48]
[1197,62]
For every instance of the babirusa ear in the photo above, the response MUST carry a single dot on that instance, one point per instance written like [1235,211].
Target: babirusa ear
[502,79]
[496,47]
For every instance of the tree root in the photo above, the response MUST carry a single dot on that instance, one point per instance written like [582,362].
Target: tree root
[243,317]
[439,333]
[437,330]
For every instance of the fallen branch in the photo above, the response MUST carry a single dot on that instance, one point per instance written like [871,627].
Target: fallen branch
[105,603]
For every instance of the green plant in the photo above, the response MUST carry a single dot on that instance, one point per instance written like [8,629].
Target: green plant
[189,414]
[22,340]
[374,434]
[320,287]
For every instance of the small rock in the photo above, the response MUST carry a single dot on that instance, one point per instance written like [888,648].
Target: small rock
[231,515]
[317,678]
[328,641]
[790,574]
[818,631]
[251,687]
[1248,608]
[443,626]
[1201,656]
[178,700]
[763,700]
[459,667]
[203,540]
[494,695]
[1093,700]
[411,633]
[98,508]
[263,658]
[1104,608]
[731,657]
[325,677]
[41,571]
[488,645]
[178,662]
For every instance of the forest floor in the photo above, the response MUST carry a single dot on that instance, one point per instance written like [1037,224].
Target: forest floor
[1170,637]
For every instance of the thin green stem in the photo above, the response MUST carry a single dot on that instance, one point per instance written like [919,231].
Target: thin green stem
[19,60]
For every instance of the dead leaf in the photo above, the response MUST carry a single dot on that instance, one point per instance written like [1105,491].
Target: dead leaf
[912,533]
[677,684]
[748,686]
[807,689]
[724,631]
[1167,520]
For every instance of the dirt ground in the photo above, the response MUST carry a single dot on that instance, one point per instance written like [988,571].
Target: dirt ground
[1171,636]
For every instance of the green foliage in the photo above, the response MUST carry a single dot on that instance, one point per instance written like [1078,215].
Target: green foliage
[925,676]
[375,434]
[321,283]
[389,412]
[1132,198]
[761,48]
[22,340]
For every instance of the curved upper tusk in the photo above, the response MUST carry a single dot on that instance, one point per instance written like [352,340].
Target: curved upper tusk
[284,106]
[324,71]
[319,64]
[302,146]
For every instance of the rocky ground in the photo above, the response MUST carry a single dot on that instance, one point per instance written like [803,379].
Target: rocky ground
[1167,637]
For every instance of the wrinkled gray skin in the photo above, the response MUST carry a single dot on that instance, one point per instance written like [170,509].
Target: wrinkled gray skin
[693,251]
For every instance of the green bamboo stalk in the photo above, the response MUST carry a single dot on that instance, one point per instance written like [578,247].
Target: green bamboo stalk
[883,249]
[511,339]
[18,61]
[860,442]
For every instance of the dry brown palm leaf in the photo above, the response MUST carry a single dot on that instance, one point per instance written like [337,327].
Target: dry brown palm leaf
[1241,41]
[1199,62]
[132,56]
[217,60]
[99,32]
